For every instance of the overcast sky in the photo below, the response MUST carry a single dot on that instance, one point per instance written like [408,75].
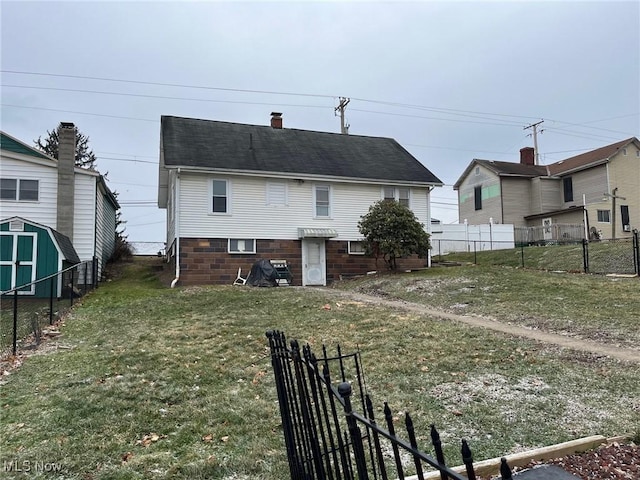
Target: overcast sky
[450,81]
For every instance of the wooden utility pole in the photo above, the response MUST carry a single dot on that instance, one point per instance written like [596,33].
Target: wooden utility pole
[534,126]
[344,129]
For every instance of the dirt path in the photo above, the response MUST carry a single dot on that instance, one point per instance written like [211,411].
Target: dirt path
[619,353]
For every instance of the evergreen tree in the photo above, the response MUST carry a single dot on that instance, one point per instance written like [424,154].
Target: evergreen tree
[392,231]
[85,158]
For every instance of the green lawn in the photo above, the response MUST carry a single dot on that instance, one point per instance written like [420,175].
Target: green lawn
[159,383]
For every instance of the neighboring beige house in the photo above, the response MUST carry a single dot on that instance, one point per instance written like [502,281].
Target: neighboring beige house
[599,190]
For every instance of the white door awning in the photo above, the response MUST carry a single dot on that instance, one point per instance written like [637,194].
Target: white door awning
[317,233]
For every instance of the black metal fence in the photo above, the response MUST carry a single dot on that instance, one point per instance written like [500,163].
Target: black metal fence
[607,256]
[326,437]
[28,309]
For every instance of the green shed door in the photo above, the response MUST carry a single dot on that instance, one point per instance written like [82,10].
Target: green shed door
[18,261]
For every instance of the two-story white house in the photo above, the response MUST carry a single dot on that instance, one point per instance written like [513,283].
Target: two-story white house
[237,193]
[43,197]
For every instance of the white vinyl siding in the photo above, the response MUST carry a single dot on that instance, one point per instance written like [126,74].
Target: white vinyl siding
[84,217]
[43,210]
[252,218]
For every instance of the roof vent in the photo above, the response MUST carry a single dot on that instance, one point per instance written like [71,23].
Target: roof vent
[16,226]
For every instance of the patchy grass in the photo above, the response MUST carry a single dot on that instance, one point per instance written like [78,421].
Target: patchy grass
[600,308]
[165,383]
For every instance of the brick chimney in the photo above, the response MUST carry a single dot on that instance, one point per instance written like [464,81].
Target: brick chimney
[527,156]
[66,178]
[276,120]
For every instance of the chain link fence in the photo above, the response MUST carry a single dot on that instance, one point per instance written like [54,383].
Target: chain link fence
[619,256]
[28,312]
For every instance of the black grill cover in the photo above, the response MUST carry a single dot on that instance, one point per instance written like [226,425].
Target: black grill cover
[262,274]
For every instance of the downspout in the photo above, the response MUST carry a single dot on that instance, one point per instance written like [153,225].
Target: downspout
[176,230]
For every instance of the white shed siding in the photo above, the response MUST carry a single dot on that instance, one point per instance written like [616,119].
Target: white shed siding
[44,210]
[84,216]
[251,217]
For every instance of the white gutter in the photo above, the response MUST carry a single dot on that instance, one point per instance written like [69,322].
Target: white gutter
[176,230]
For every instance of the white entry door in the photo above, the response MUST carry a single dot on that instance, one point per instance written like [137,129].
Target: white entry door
[546,232]
[314,265]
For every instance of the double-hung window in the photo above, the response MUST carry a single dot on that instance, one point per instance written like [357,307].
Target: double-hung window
[567,187]
[399,194]
[19,189]
[477,197]
[604,216]
[322,201]
[220,196]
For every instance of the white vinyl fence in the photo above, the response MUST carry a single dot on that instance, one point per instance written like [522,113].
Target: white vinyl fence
[470,238]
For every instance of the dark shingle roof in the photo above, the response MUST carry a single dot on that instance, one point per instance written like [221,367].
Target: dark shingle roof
[222,145]
[510,168]
[68,252]
[12,145]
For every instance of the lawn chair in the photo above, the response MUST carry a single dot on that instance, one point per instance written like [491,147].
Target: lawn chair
[239,280]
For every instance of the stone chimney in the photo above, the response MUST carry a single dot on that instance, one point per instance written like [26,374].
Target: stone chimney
[527,156]
[276,120]
[66,178]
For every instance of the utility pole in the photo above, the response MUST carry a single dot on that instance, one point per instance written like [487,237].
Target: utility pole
[344,129]
[534,126]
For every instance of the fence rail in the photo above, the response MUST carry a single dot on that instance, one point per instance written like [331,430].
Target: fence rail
[27,309]
[326,437]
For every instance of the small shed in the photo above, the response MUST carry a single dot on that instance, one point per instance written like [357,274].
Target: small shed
[30,251]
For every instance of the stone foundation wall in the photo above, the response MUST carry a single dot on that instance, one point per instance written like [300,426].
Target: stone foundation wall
[206,260]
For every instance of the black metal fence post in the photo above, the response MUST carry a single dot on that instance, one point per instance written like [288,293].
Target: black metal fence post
[51,290]
[86,283]
[475,253]
[636,251]
[467,459]
[522,253]
[344,389]
[15,322]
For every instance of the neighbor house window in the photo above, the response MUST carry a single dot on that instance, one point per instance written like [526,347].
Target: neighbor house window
[477,197]
[399,194]
[567,187]
[276,193]
[603,216]
[242,245]
[322,200]
[220,196]
[624,152]
[356,248]
[19,189]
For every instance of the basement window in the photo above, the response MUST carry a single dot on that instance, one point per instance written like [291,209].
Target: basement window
[242,245]
[356,248]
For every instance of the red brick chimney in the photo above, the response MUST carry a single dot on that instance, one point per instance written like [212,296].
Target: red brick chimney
[527,156]
[276,120]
